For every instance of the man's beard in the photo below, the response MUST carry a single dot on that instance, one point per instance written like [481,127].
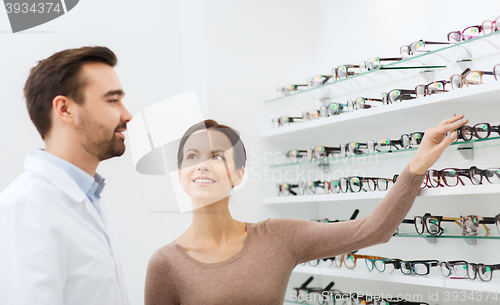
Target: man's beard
[98,142]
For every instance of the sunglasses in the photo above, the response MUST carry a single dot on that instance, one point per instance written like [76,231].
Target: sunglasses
[432,88]
[469,77]
[416,47]
[398,95]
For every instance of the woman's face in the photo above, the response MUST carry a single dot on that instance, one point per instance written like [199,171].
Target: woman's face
[207,171]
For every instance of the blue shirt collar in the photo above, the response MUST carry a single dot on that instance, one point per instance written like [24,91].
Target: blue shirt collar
[91,186]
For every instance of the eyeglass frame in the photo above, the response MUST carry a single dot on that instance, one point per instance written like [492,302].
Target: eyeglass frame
[378,59]
[439,219]
[411,52]
[427,91]
[281,186]
[464,74]
[404,95]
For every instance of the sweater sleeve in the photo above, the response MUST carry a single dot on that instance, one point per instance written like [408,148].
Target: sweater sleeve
[309,240]
[160,288]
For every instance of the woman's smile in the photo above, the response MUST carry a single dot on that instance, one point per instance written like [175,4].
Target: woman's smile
[203,181]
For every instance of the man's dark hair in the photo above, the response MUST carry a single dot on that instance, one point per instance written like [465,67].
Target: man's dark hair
[60,75]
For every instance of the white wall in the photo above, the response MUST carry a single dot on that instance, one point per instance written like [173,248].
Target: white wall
[164,48]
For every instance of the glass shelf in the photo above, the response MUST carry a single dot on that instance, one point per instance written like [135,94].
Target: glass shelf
[336,160]
[390,65]
[482,235]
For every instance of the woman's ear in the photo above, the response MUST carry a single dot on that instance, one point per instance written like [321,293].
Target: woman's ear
[239,176]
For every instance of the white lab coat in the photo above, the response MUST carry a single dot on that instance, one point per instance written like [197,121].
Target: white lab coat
[54,247]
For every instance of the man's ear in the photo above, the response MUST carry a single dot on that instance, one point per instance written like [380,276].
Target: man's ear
[239,176]
[63,109]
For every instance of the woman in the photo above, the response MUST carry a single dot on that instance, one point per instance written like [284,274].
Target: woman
[220,260]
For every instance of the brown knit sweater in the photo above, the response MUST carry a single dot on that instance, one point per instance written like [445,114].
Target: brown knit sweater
[259,273]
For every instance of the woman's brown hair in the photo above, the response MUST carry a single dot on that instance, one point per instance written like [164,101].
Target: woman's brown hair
[240,154]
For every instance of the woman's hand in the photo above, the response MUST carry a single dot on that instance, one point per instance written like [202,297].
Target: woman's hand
[434,143]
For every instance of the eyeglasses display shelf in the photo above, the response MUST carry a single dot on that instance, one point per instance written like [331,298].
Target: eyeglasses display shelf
[484,96]
[475,190]
[429,281]
[491,141]
[479,47]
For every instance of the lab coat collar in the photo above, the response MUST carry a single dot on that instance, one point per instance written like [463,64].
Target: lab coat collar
[56,176]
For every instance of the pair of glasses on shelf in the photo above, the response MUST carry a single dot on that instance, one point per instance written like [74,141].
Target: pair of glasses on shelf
[291,89]
[435,87]
[361,103]
[470,224]
[286,189]
[471,32]
[326,220]
[304,289]
[349,260]
[418,267]
[318,80]
[417,47]
[286,121]
[452,176]
[472,77]
[385,145]
[480,131]
[398,95]
[353,184]
[460,269]
[316,262]
[375,63]
[333,109]
[311,115]
[432,223]
[354,148]
[354,299]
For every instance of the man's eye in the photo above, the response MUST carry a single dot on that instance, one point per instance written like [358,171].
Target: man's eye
[113,101]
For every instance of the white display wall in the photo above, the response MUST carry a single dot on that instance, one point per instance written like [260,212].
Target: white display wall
[478,103]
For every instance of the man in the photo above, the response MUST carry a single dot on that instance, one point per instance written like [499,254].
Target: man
[56,245]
